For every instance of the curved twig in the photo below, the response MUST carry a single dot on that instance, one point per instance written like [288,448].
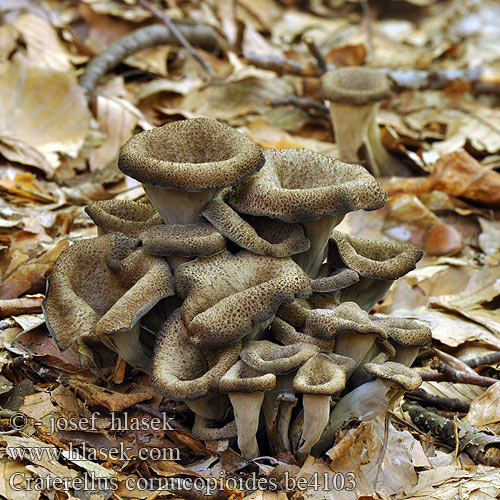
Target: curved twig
[149,36]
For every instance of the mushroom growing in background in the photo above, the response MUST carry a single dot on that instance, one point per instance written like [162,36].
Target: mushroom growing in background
[183,165]
[355,94]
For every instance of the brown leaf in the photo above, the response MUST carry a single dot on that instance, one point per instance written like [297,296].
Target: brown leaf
[457,174]
[43,108]
[114,401]
[485,410]
[24,305]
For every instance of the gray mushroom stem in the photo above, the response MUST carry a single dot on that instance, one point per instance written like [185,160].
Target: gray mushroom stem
[246,414]
[316,416]
[366,292]
[213,406]
[318,233]
[277,409]
[177,206]
[358,137]
[354,345]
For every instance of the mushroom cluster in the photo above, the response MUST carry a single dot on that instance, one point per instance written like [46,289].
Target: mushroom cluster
[264,306]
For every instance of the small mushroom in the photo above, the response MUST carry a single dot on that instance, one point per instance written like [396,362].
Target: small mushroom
[267,357]
[88,298]
[378,263]
[246,388]
[260,235]
[288,335]
[355,94]
[407,336]
[183,165]
[123,216]
[183,371]
[355,333]
[301,186]
[368,400]
[226,297]
[318,379]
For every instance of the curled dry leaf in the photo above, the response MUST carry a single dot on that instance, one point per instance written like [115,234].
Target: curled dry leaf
[43,109]
[457,174]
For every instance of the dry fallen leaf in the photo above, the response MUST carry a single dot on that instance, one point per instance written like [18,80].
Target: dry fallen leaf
[44,109]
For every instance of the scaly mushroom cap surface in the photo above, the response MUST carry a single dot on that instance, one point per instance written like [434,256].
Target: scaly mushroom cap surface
[242,378]
[124,216]
[354,85]
[183,371]
[185,240]
[192,155]
[323,375]
[226,295]
[298,185]
[404,331]
[384,260]
[260,235]
[86,298]
[267,357]
[288,335]
[347,317]
[398,374]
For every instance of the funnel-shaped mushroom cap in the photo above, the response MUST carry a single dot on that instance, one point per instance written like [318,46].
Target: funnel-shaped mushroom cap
[267,357]
[182,371]
[383,260]
[323,375]
[354,85]
[242,378]
[192,155]
[288,335]
[347,317]
[186,240]
[396,373]
[298,185]
[260,235]
[226,295]
[404,331]
[87,298]
[123,216]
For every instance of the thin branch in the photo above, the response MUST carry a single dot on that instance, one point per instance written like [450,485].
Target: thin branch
[453,362]
[486,359]
[482,447]
[452,375]
[305,103]
[178,35]
[280,65]
[316,53]
[448,404]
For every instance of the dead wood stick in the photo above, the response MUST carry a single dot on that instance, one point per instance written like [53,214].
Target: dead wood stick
[149,36]
[452,375]
[486,359]
[482,447]
[178,35]
[280,65]
[453,362]
[427,399]
[316,53]
[305,103]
